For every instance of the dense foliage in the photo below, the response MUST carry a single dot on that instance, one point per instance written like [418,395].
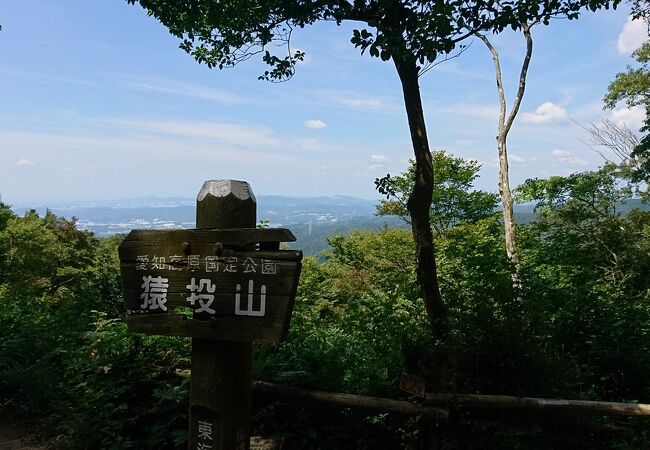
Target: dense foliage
[632,87]
[580,330]
[454,199]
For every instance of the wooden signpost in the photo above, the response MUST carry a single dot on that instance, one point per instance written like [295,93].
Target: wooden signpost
[224,284]
[204,283]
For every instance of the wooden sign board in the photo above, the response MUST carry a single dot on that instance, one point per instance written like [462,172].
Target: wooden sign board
[214,284]
[413,385]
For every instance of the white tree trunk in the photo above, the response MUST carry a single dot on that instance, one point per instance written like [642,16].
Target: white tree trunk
[505,123]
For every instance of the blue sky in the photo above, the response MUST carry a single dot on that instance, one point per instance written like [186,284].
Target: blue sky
[97,102]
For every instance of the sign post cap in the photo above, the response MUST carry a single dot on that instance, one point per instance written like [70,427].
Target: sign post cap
[225,204]
[223,188]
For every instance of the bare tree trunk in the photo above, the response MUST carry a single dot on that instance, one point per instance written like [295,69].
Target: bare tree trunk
[509,224]
[419,207]
[505,123]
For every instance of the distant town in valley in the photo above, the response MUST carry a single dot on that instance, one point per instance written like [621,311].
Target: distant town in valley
[312,219]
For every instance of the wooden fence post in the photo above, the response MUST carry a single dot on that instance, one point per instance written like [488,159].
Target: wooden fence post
[220,392]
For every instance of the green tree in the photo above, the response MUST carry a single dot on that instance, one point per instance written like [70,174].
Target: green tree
[411,34]
[453,200]
[355,312]
[65,364]
[106,277]
[28,250]
[46,295]
[5,214]
[587,264]
[633,88]
[580,196]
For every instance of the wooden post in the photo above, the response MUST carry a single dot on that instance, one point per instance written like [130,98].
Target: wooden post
[220,392]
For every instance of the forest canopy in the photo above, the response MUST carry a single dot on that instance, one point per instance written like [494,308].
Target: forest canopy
[68,363]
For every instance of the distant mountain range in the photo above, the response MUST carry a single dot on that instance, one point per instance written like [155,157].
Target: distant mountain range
[311,219]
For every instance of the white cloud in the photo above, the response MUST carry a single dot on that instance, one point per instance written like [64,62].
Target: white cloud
[48,77]
[634,33]
[577,161]
[566,157]
[218,132]
[362,103]
[358,101]
[315,124]
[234,135]
[477,111]
[453,68]
[307,144]
[379,159]
[114,163]
[516,158]
[136,156]
[378,162]
[545,113]
[25,162]
[185,89]
[632,118]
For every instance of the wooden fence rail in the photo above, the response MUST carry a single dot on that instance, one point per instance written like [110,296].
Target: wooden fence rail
[506,402]
[352,401]
[457,401]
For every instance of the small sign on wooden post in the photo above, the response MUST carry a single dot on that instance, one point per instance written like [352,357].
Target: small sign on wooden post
[413,385]
[224,284]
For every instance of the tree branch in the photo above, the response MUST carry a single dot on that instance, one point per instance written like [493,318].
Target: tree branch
[522,78]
